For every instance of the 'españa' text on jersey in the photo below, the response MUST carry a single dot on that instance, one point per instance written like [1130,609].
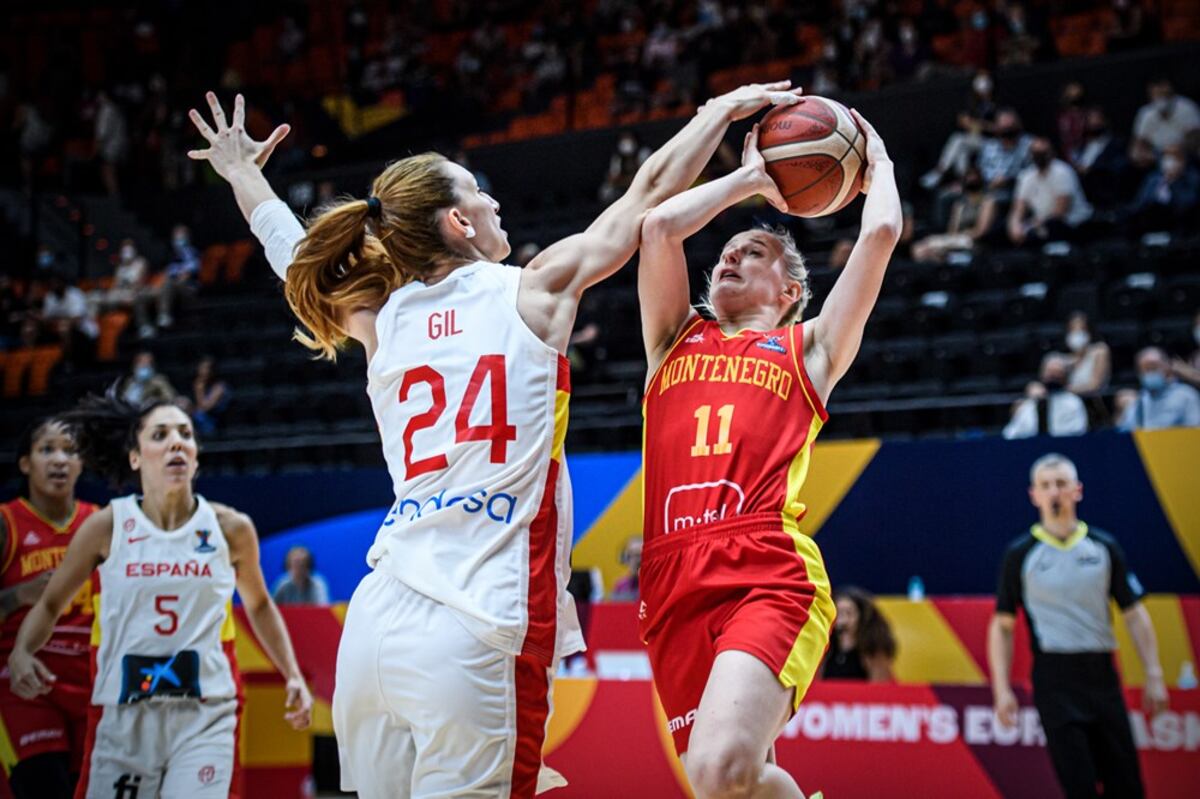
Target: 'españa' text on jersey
[730,421]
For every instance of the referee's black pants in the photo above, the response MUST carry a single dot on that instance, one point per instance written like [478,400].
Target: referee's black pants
[1083,713]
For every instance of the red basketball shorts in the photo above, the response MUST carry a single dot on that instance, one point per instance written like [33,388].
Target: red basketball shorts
[745,584]
[53,722]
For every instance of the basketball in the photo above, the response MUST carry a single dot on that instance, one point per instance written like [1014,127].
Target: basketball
[815,153]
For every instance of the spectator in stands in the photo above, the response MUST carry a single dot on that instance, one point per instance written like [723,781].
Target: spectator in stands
[862,646]
[1168,120]
[963,145]
[1071,119]
[1130,27]
[34,136]
[181,277]
[65,314]
[13,310]
[129,284]
[1162,401]
[301,584]
[1002,157]
[46,261]
[210,396]
[1169,196]
[111,140]
[1048,407]
[910,56]
[1089,362]
[629,155]
[625,589]
[144,383]
[1102,163]
[1049,204]
[971,219]
[1189,371]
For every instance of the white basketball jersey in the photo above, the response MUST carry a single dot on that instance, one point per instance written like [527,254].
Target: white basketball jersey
[163,614]
[472,409]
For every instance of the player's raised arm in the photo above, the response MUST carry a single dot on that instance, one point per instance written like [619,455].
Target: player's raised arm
[836,333]
[239,159]
[579,261]
[664,295]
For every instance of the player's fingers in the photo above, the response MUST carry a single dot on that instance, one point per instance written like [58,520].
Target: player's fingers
[783,98]
[201,125]
[42,672]
[268,146]
[239,111]
[218,113]
[199,155]
[777,85]
[867,127]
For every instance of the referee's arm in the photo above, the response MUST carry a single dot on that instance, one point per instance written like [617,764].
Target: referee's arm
[1000,638]
[1128,593]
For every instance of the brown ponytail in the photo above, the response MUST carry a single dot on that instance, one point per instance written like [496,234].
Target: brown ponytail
[353,259]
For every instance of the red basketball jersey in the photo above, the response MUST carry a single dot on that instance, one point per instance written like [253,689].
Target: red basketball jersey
[37,545]
[730,421]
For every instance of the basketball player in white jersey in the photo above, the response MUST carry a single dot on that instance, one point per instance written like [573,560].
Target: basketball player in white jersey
[449,644]
[165,703]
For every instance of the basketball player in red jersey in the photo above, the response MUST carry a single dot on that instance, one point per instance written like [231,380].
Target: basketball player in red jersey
[41,739]
[736,605]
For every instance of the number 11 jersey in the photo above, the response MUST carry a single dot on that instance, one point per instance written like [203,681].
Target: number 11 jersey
[472,410]
[730,422]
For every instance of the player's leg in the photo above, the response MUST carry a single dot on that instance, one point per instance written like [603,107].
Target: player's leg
[34,742]
[203,749]
[44,776]
[375,746]
[1071,756]
[742,711]
[124,755]
[478,714]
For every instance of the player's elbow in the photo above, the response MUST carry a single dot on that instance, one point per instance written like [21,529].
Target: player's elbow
[659,225]
[885,232]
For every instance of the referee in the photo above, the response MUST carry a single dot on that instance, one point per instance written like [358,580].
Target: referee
[1062,573]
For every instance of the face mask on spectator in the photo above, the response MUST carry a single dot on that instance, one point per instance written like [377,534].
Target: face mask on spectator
[1077,340]
[982,84]
[1040,159]
[1154,382]
[1163,104]
[127,253]
[143,373]
[46,259]
[180,241]
[909,36]
[979,20]
[1171,165]
[626,146]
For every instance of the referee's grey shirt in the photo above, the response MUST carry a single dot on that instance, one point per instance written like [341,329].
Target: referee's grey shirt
[1064,587]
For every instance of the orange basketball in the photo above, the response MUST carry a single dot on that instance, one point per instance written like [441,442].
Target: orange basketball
[815,153]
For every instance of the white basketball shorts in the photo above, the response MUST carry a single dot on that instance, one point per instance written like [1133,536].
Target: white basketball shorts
[423,708]
[173,749]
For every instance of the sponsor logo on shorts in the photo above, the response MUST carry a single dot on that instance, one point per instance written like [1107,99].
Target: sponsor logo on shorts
[679,722]
[40,735]
[127,786]
[207,774]
[496,506]
[702,503]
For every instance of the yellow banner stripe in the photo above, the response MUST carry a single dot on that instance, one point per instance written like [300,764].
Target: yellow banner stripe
[1172,461]
[928,651]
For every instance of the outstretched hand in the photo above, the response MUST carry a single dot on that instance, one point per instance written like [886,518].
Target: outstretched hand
[746,100]
[876,150]
[752,160]
[230,146]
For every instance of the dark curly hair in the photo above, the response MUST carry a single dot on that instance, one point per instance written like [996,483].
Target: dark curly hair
[106,430]
[874,634]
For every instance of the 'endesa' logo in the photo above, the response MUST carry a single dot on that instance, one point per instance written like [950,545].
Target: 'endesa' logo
[498,506]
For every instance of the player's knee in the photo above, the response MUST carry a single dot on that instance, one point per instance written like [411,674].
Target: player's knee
[727,771]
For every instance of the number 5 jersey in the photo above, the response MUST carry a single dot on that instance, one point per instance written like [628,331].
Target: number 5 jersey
[164,626]
[472,409]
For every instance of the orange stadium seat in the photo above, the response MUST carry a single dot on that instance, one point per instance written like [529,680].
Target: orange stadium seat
[111,326]
[41,364]
[239,254]
[15,365]
[210,263]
